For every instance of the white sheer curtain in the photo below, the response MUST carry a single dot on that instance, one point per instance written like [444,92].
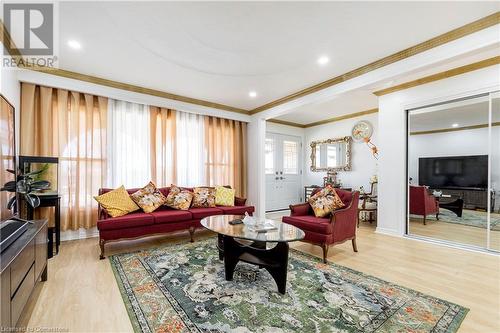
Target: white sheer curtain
[190,149]
[129,161]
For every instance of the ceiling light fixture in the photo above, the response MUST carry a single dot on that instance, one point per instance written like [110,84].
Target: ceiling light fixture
[74,44]
[252,94]
[454,125]
[323,60]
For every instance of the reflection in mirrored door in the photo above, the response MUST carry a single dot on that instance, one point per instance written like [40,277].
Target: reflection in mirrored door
[495,172]
[448,156]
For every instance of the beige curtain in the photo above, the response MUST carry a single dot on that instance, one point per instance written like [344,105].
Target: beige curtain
[225,147]
[71,126]
[163,146]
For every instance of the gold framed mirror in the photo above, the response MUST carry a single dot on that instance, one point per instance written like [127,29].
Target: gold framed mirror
[331,155]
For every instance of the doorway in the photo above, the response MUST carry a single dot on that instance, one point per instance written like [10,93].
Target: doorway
[283,171]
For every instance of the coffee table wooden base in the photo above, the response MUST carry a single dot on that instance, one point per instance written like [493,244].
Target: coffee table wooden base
[274,260]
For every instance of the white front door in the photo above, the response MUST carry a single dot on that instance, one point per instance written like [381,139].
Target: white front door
[283,171]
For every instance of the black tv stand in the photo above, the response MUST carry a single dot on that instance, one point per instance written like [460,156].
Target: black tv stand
[473,198]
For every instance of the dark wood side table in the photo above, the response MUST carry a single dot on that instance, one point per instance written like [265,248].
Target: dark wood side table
[50,201]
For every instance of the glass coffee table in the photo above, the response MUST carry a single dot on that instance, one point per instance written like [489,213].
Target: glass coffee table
[268,250]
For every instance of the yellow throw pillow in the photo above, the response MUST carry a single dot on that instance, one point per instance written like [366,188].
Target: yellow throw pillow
[224,196]
[182,200]
[203,197]
[117,202]
[325,201]
[149,198]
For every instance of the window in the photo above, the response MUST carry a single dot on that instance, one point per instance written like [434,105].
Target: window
[269,156]
[290,157]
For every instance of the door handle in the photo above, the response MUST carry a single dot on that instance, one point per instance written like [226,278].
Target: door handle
[276,178]
[281,178]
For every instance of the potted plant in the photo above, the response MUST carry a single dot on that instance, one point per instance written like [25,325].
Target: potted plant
[25,185]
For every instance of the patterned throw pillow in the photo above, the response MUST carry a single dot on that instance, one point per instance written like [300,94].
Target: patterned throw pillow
[174,190]
[149,198]
[182,200]
[117,202]
[224,196]
[325,201]
[203,197]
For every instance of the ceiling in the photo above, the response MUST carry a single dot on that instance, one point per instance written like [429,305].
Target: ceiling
[465,113]
[364,99]
[219,51]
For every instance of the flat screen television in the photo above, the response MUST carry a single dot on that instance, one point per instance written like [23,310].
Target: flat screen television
[7,154]
[454,172]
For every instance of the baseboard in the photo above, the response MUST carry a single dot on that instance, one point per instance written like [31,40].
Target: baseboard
[79,234]
[388,232]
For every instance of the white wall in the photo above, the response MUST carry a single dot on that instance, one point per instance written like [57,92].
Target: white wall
[392,137]
[459,143]
[364,165]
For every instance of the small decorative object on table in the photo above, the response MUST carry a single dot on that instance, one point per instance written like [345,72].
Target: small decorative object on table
[258,225]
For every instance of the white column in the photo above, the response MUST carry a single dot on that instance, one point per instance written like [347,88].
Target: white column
[256,173]
[392,182]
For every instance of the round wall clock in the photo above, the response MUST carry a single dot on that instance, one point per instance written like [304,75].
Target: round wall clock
[362,130]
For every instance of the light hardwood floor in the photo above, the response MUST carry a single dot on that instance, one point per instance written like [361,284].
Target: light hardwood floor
[455,233]
[81,294]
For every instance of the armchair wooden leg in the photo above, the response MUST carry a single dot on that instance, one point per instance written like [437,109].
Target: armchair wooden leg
[424,220]
[191,234]
[354,246]
[437,216]
[101,245]
[325,252]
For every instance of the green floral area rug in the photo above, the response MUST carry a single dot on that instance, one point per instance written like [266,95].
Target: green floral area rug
[469,217]
[181,288]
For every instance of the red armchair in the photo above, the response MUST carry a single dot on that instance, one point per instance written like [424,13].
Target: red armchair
[422,202]
[337,228]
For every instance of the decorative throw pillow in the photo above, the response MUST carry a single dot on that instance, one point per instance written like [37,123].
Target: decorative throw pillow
[117,202]
[149,198]
[203,197]
[224,196]
[174,190]
[182,200]
[325,201]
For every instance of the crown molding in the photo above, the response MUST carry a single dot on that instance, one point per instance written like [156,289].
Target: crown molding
[440,76]
[447,37]
[134,88]
[343,117]
[326,121]
[445,130]
[287,123]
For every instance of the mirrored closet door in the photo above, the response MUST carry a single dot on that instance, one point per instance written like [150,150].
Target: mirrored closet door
[453,160]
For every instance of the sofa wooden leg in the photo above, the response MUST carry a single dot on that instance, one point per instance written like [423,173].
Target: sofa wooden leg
[101,245]
[354,246]
[191,234]
[325,252]
[425,220]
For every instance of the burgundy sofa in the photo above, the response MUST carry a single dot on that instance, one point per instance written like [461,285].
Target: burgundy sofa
[422,202]
[337,228]
[163,220]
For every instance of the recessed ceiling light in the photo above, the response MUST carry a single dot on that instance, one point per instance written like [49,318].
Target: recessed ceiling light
[454,125]
[74,44]
[252,94]
[323,60]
